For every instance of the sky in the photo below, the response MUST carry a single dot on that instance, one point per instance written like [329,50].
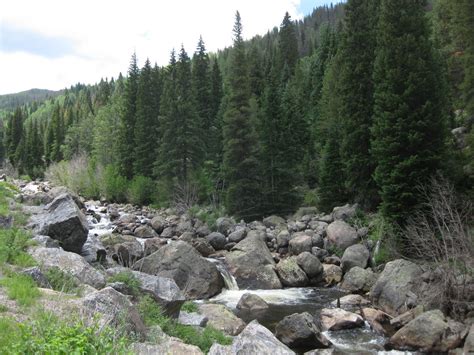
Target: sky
[53,44]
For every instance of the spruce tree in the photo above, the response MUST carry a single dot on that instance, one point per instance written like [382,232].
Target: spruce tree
[202,87]
[287,45]
[357,54]
[15,134]
[241,162]
[127,129]
[145,124]
[409,107]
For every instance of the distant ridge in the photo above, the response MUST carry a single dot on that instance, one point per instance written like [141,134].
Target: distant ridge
[10,101]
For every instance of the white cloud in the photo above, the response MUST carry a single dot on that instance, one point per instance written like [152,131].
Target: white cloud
[104,34]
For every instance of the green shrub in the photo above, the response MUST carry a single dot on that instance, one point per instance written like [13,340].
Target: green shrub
[114,186]
[62,281]
[310,197]
[13,244]
[47,334]
[190,306]
[129,279]
[21,288]
[209,216]
[141,190]
[152,315]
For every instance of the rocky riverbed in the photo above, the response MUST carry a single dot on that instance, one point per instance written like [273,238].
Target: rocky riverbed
[278,285]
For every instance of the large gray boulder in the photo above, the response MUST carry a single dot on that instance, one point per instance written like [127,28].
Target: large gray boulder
[196,276]
[145,232]
[158,223]
[273,221]
[291,275]
[71,263]
[254,339]
[358,280]
[217,240]
[114,308]
[341,235]
[429,332]
[300,331]
[355,255]
[64,221]
[396,288]
[310,265]
[300,243]
[252,264]
[237,235]
[166,346]
[337,319]
[345,212]
[225,225]
[251,303]
[222,318]
[163,290]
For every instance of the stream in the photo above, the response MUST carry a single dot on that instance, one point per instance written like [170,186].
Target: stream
[282,302]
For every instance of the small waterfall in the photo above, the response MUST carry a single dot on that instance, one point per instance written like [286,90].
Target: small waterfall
[229,280]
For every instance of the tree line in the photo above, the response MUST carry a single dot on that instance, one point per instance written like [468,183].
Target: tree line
[353,103]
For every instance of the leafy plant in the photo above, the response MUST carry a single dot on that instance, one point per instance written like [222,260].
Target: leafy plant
[141,190]
[129,279]
[62,281]
[152,315]
[13,244]
[21,288]
[189,306]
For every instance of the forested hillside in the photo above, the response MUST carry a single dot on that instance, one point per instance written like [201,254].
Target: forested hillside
[33,97]
[355,103]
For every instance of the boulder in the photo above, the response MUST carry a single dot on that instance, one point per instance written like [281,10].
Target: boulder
[126,218]
[168,232]
[166,346]
[358,280]
[469,342]
[429,332]
[93,250]
[145,232]
[273,221]
[153,244]
[127,253]
[310,265]
[252,264]
[251,303]
[283,238]
[163,290]
[45,241]
[345,212]
[183,226]
[319,253]
[64,222]
[38,277]
[113,308]
[341,235]
[396,287]
[217,240]
[332,274]
[222,318]
[406,317]
[193,318]
[318,226]
[237,235]
[225,225]
[299,244]
[203,247]
[378,321]
[337,319]
[158,223]
[350,302]
[254,339]
[71,263]
[291,275]
[300,331]
[203,230]
[196,276]
[355,255]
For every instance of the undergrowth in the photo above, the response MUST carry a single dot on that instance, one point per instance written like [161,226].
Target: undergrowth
[62,281]
[20,288]
[128,279]
[153,315]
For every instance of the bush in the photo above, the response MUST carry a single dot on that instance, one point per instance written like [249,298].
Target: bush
[21,288]
[62,281]
[47,334]
[128,279]
[13,244]
[114,186]
[440,233]
[152,315]
[141,190]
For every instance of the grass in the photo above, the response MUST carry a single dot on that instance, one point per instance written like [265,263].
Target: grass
[189,307]
[47,334]
[152,314]
[128,279]
[21,288]
[13,245]
[3,308]
[62,281]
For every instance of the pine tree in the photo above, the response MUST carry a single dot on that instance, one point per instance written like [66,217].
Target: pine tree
[145,124]
[241,163]
[356,89]
[15,134]
[409,108]
[127,129]
[287,46]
